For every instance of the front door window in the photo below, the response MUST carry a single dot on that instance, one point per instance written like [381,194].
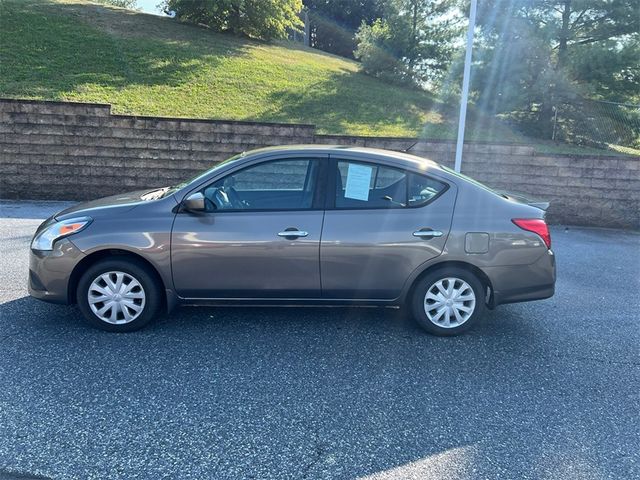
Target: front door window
[286,184]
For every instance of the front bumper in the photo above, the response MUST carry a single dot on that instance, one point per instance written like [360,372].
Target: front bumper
[50,271]
[523,283]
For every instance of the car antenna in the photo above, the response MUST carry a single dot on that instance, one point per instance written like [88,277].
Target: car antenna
[405,150]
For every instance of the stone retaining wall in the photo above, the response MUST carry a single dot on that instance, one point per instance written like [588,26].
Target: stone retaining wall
[78,151]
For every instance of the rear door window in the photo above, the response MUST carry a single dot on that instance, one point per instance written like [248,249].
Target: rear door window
[362,185]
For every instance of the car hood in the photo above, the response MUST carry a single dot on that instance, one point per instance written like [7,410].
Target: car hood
[124,201]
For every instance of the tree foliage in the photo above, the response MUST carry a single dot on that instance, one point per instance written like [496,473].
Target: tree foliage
[539,54]
[379,52]
[130,4]
[334,22]
[265,19]
[418,34]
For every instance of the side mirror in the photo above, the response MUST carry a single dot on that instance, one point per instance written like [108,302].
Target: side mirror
[194,203]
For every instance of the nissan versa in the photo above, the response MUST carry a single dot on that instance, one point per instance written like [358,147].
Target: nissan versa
[299,225]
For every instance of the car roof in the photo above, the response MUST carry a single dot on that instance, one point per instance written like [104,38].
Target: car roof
[364,152]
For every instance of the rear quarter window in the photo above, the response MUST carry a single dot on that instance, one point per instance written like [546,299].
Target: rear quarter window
[423,189]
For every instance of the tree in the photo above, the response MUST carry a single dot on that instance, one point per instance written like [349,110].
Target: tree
[537,54]
[427,31]
[265,19]
[380,52]
[419,34]
[334,23]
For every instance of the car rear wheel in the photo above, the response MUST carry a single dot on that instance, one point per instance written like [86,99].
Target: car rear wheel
[118,295]
[448,301]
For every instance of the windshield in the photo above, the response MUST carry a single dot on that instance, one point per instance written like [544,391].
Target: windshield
[177,187]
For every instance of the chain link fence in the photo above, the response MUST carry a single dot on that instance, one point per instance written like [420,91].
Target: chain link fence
[597,123]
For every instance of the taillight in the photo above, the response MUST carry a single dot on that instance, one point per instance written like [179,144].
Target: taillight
[535,225]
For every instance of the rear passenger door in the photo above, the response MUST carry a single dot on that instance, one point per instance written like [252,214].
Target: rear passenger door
[381,223]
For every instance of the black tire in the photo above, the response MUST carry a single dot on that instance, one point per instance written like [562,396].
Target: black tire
[138,271]
[428,282]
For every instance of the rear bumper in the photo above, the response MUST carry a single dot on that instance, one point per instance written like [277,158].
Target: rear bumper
[523,283]
[50,272]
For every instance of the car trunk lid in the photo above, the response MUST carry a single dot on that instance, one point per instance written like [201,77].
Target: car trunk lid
[526,200]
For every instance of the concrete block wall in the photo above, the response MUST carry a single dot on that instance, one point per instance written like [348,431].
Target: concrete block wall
[78,151]
[75,151]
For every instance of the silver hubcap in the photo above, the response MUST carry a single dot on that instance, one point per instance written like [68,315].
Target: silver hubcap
[449,302]
[116,297]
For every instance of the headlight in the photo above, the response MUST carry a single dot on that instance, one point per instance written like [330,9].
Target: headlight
[44,239]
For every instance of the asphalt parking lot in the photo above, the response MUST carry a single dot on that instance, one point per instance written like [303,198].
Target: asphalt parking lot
[544,390]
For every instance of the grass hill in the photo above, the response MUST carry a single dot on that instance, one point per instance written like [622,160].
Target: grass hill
[149,65]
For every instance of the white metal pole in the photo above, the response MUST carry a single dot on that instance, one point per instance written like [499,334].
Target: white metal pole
[465,86]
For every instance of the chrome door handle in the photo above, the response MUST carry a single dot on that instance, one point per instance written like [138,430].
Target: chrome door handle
[293,233]
[427,233]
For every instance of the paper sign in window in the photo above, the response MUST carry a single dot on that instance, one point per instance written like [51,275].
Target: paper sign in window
[358,181]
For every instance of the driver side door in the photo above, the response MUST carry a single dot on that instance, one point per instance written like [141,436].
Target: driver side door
[260,235]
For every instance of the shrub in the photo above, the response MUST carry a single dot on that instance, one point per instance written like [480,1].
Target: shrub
[263,19]
[377,53]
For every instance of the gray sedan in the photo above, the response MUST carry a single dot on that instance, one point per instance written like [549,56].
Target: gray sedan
[299,225]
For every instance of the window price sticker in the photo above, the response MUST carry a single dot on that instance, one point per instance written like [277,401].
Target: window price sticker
[358,181]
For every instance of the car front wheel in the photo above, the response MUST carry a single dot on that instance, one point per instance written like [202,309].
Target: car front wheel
[448,301]
[118,295]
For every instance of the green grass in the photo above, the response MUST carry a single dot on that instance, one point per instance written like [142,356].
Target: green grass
[148,65]
[143,64]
